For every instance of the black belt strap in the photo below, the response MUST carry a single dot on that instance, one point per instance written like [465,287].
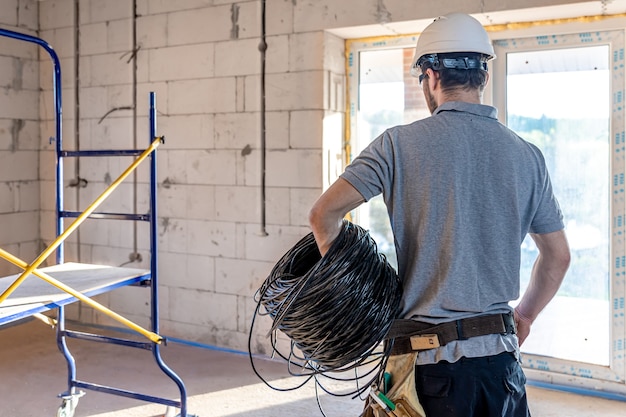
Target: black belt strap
[402,330]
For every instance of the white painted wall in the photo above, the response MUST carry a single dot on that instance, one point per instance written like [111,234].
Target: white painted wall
[201,58]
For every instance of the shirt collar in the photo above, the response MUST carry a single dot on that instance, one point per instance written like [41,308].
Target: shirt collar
[462,106]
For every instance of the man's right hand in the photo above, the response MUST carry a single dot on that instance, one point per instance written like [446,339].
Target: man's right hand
[522,324]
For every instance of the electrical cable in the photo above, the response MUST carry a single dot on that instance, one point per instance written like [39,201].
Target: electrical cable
[336,310]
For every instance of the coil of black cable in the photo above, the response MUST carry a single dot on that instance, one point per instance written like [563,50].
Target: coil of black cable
[336,309]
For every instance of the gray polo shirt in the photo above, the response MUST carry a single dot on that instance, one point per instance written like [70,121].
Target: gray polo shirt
[462,191]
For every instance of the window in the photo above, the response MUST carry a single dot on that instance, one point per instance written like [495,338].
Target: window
[559,99]
[576,82]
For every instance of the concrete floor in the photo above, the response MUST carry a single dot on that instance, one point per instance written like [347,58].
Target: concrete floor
[219,383]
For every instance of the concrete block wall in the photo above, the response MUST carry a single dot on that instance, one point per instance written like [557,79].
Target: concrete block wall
[201,57]
[203,62]
[19,135]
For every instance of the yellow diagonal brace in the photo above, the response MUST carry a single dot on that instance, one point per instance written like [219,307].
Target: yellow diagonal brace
[18,262]
[55,244]
[48,320]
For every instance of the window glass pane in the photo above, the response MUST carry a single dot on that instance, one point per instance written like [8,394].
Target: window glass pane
[559,100]
[388,96]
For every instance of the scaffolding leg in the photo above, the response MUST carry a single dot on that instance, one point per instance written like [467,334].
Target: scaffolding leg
[71,396]
[156,350]
[154,262]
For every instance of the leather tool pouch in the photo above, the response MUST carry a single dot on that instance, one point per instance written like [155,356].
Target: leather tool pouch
[402,392]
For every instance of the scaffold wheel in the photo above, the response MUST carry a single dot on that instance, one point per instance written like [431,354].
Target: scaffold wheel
[69,404]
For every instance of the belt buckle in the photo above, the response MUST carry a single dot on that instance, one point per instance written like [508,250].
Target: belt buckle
[425,342]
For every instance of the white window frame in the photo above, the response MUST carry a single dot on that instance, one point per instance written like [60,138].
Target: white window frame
[558,371]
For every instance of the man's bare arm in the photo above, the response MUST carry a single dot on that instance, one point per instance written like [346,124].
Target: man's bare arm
[327,213]
[546,278]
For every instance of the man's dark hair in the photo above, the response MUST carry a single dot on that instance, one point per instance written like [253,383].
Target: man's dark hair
[454,78]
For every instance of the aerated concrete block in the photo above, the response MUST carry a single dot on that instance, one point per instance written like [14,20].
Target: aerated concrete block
[306,51]
[238,277]
[189,131]
[152,30]
[55,14]
[165,63]
[216,95]
[295,91]
[237,131]
[9,12]
[199,26]
[298,168]
[216,167]
[93,38]
[237,57]
[306,129]
[92,11]
[277,54]
[109,69]
[200,202]
[165,6]
[211,238]
[237,204]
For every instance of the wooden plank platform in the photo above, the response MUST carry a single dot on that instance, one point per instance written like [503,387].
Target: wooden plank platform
[35,295]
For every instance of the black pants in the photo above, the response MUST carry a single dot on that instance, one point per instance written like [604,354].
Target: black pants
[473,387]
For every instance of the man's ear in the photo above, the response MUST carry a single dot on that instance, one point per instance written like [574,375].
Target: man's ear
[433,78]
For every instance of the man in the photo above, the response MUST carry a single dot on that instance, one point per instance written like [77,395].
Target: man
[462,191]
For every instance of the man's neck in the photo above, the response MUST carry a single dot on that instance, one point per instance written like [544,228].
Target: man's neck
[467,96]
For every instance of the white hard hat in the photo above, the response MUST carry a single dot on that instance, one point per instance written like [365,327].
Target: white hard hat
[454,32]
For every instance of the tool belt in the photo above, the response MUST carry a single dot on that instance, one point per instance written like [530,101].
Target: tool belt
[410,335]
[400,399]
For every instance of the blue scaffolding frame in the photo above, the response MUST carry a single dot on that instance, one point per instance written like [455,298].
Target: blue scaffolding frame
[149,279]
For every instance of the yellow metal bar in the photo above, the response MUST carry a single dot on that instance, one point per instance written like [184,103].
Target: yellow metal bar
[18,262]
[55,244]
[48,320]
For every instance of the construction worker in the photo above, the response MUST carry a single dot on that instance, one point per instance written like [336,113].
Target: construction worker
[462,191]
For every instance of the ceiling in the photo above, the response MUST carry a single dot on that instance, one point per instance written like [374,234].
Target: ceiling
[386,65]
[572,10]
